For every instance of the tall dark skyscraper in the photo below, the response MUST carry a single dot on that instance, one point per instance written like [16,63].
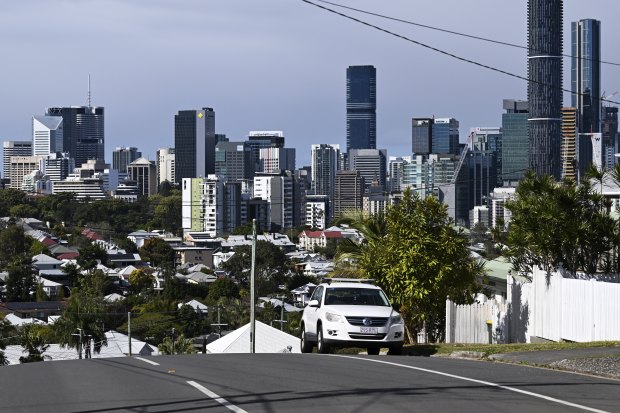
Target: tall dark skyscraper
[586,73]
[83,134]
[361,107]
[515,147]
[545,85]
[421,136]
[194,143]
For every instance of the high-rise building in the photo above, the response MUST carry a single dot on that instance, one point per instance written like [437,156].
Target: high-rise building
[371,164]
[609,129]
[258,140]
[57,166]
[194,143]
[396,168]
[317,211]
[570,137]
[144,173]
[445,136]
[123,156]
[348,192]
[515,146]
[20,166]
[545,85]
[13,148]
[278,190]
[83,131]
[421,136]
[586,73]
[166,165]
[324,159]
[276,160]
[488,141]
[361,107]
[233,161]
[47,135]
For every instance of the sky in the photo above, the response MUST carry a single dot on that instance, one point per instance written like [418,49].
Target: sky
[268,65]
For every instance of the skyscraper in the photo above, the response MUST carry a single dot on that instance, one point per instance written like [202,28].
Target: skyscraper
[545,85]
[348,192]
[421,136]
[194,143]
[361,107]
[515,146]
[144,173]
[233,161]
[570,134]
[586,73]
[445,136]
[46,135]
[609,128]
[13,148]
[165,165]
[83,131]
[324,168]
[371,165]
[122,157]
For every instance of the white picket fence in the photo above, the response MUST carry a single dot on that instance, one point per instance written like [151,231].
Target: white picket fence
[550,307]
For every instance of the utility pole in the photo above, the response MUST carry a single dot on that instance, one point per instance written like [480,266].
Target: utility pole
[219,323]
[129,331]
[252,293]
[80,341]
[173,340]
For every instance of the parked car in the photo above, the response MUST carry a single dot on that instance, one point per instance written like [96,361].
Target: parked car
[345,312]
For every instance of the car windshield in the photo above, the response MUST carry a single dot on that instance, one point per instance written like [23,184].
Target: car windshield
[355,296]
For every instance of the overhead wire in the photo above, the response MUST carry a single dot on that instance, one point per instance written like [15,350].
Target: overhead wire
[449,54]
[471,36]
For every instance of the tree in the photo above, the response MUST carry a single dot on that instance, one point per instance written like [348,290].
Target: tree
[157,252]
[417,256]
[141,280]
[33,340]
[6,330]
[89,255]
[176,345]
[20,283]
[271,270]
[83,319]
[222,287]
[13,243]
[558,224]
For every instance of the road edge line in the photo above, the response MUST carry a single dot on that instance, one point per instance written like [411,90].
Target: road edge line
[147,361]
[215,397]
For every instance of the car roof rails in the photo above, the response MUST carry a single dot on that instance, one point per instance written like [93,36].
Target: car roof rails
[350,280]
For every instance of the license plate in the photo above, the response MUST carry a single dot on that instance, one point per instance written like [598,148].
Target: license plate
[369,330]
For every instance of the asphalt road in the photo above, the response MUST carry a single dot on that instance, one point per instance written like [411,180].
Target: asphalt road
[298,383]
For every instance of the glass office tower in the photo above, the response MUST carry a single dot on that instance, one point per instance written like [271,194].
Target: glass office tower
[586,73]
[361,107]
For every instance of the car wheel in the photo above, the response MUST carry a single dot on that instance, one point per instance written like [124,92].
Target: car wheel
[395,350]
[373,351]
[306,346]
[322,347]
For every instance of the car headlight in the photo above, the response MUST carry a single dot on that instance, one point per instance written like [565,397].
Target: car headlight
[396,319]
[334,318]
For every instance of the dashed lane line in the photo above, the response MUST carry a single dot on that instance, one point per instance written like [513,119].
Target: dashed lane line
[217,398]
[147,361]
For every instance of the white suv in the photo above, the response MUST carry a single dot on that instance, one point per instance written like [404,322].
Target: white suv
[347,312]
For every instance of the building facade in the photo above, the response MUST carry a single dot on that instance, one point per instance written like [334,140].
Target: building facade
[515,144]
[545,85]
[361,107]
[348,192]
[276,160]
[371,164]
[123,156]
[194,143]
[144,173]
[10,149]
[47,135]
[445,136]
[570,138]
[166,165]
[233,161]
[586,73]
[83,131]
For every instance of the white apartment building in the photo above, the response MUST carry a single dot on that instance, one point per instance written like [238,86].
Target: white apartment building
[166,165]
[47,135]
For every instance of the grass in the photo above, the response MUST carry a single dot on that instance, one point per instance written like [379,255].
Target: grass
[488,349]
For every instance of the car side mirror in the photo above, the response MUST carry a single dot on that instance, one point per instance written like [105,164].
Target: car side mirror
[396,307]
[313,303]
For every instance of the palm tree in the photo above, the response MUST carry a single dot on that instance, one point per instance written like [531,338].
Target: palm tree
[350,253]
[178,345]
[33,342]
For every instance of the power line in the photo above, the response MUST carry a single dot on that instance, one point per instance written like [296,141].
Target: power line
[452,55]
[485,39]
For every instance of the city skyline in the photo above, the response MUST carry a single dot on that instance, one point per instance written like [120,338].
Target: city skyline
[144,72]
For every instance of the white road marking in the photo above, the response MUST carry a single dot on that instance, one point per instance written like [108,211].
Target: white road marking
[217,398]
[147,361]
[486,383]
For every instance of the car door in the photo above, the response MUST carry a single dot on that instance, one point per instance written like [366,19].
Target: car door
[311,314]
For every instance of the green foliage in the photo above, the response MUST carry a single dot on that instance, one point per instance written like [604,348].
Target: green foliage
[419,259]
[193,324]
[6,330]
[176,345]
[40,294]
[90,254]
[222,287]
[86,313]
[271,269]
[141,280]
[96,283]
[33,339]
[558,224]
[13,244]
[329,251]
[151,327]
[10,198]
[72,274]
[157,252]
[20,283]
[299,279]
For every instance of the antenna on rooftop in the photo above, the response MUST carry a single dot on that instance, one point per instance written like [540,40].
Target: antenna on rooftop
[89,105]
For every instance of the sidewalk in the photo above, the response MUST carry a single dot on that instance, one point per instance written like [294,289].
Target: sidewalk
[601,361]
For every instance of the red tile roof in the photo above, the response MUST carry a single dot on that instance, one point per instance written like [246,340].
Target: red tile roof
[68,256]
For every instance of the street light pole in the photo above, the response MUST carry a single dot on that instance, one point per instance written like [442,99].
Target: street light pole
[252,293]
